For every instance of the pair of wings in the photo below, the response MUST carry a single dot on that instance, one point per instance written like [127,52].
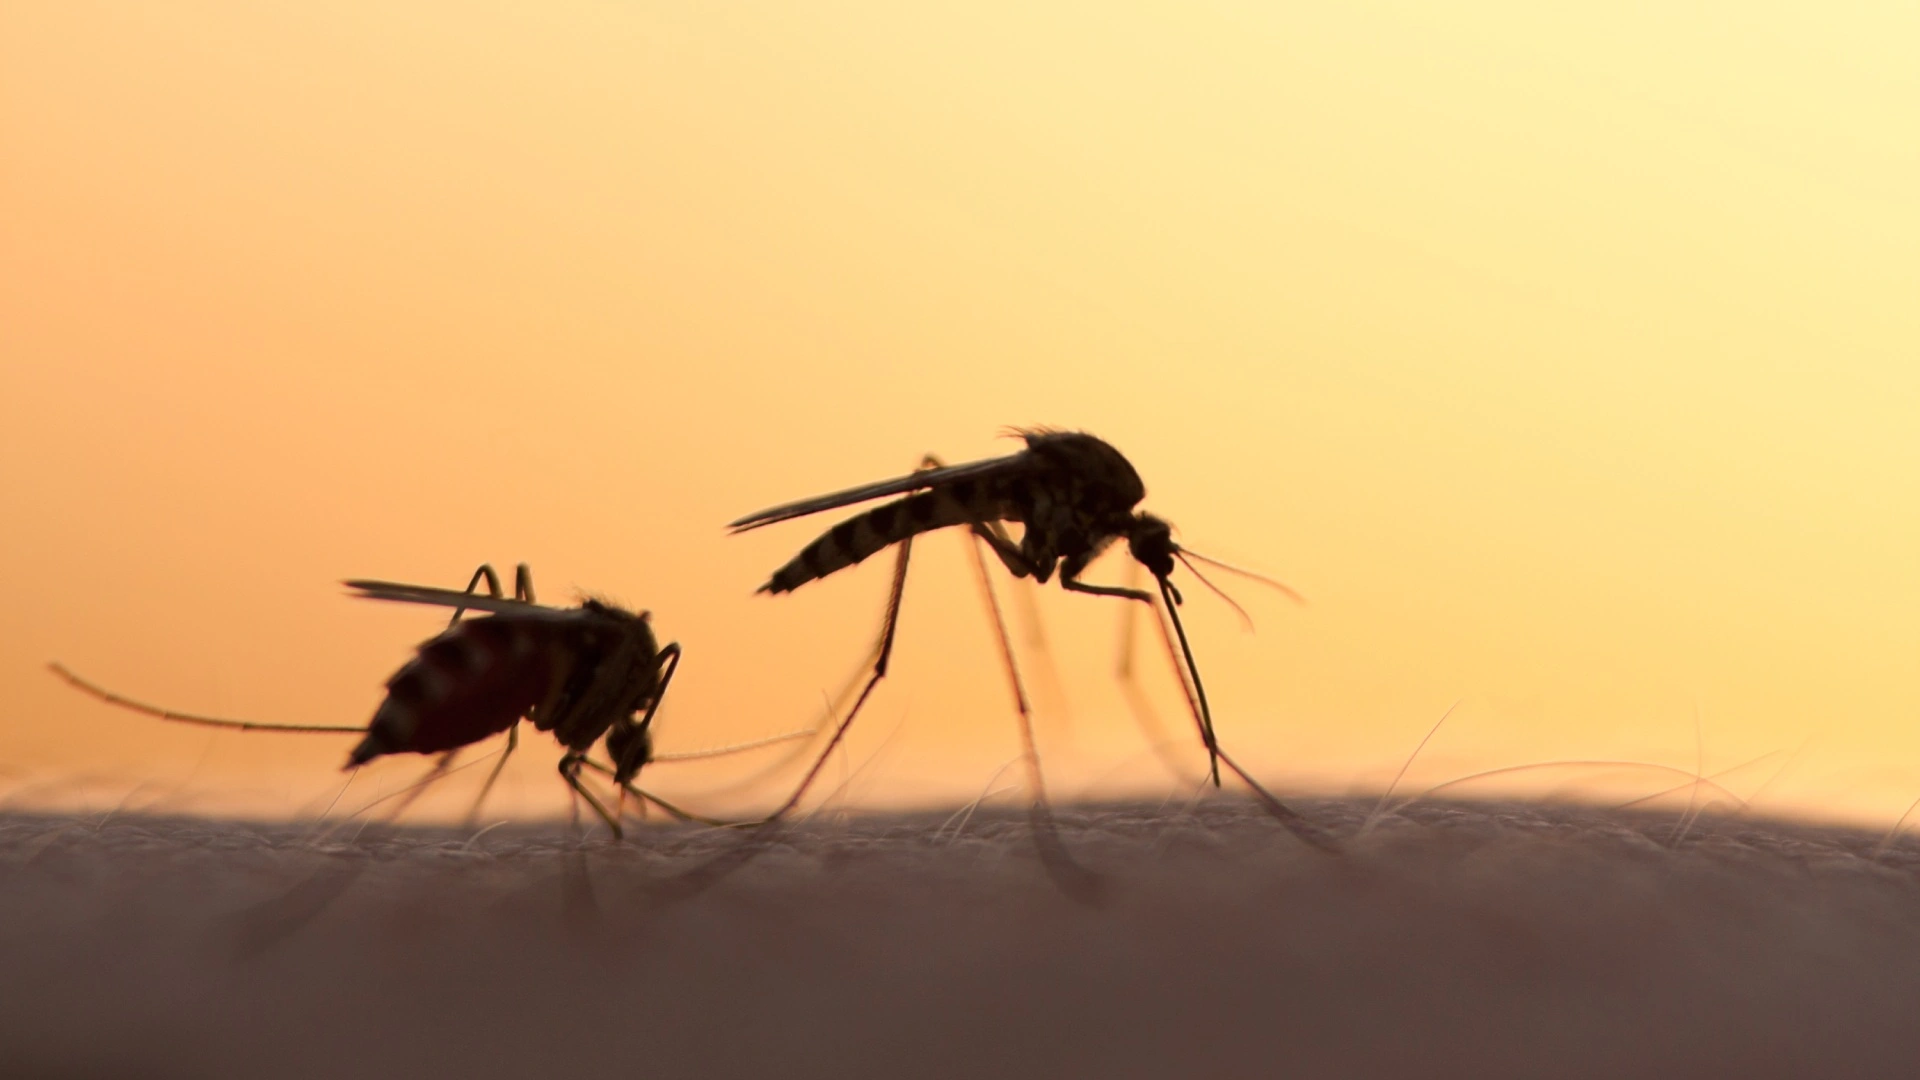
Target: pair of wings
[454,598]
[921,480]
[899,485]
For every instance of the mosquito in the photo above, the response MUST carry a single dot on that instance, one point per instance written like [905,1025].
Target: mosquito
[1074,495]
[589,673]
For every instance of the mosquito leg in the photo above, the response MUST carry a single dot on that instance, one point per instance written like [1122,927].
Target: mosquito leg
[1196,694]
[1072,878]
[513,742]
[763,830]
[486,574]
[668,659]
[883,654]
[635,752]
[643,797]
[1076,585]
[1203,717]
[1144,714]
[576,885]
[1011,556]
[889,625]
[420,787]
[408,794]
[1005,549]
[1123,666]
[994,533]
[570,772]
[1200,714]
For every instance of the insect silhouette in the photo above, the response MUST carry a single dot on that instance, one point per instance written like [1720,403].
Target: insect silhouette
[1074,495]
[588,673]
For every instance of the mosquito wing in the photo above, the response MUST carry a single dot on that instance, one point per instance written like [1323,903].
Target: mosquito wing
[917,481]
[454,598]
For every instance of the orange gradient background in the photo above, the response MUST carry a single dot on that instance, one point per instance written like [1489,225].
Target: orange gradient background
[1566,356]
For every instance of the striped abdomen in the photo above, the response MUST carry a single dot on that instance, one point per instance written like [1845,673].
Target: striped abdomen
[468,683]
[883,526]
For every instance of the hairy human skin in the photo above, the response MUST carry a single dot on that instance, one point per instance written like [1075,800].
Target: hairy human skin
[1465,940]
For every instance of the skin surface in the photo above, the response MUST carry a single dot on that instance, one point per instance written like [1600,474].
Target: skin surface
[1454,940]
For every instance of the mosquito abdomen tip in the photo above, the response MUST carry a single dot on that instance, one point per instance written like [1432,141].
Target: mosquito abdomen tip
[369,748]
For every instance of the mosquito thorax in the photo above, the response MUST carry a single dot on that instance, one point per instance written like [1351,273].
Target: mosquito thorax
[1150,540]
[614,612]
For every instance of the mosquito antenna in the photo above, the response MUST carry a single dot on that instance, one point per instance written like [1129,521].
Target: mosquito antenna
[739,747]
[1246,620]
[1292,594]
[111,698]
[1199,701]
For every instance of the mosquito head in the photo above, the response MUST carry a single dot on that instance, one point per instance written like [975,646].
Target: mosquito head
[1151,542]
[630,745]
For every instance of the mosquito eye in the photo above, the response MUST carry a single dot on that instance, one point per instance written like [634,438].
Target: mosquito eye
[1153,549]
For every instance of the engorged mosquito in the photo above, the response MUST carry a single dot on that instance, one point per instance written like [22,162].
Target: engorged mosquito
[582,673]
[1075,496]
